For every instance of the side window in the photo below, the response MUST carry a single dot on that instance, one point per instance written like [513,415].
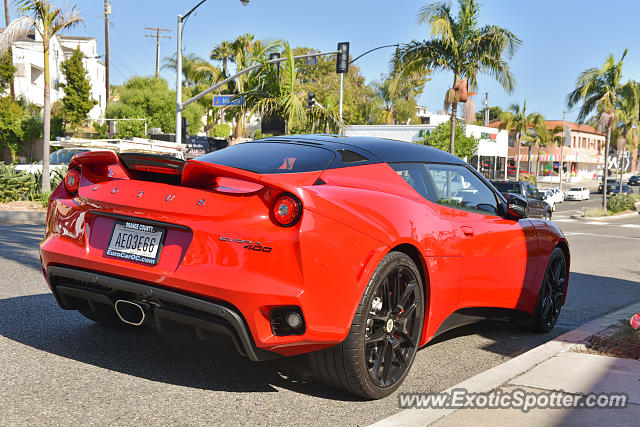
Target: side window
[457,187]
[531,193]
[415,175]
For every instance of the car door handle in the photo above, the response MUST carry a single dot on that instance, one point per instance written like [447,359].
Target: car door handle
[468,231]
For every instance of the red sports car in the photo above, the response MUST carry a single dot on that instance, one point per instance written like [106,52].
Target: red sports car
[355,250]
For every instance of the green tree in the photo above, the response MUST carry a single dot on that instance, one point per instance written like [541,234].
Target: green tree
[6,71]
[398,94]
[77,101]
[11,114]
[47,20]
[541,137]
[461,47]
[465,146]
[494,112]
[149,98]
[518,121]
[598,90]
[223,52]
[360,104]
[278,94]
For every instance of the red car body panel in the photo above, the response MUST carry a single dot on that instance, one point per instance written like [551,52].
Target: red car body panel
[322,264]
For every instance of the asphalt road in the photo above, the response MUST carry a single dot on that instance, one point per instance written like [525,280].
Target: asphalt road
[58,368]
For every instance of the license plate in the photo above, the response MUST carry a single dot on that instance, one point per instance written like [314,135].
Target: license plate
[134,241]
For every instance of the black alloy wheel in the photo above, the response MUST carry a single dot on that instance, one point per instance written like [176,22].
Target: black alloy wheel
[552,293]
[384,336]
[393,327]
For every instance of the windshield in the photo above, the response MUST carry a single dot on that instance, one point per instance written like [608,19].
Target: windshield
[271,158]
[63,157]
[507,187]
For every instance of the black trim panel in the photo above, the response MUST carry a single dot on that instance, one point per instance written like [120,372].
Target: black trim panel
[171,305]
[141,220]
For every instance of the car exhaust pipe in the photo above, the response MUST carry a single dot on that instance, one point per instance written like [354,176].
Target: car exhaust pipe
[132,313]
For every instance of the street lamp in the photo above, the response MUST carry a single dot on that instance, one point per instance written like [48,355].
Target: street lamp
[181,20]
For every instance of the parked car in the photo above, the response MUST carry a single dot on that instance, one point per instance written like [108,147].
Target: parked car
[634,180]
[550,198]
[611,182]
[536,206]
[58,159]
[357,251]
[578,193]
[626,189]
[558,196]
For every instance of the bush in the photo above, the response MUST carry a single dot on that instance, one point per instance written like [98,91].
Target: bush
[221,130]
[620,202]
[20,185]
[257,134]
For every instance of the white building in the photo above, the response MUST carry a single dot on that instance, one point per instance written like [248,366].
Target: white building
[29,62]
[428,118]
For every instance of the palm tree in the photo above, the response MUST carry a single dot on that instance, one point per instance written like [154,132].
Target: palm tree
[461,47]
[599,90]
[278,95]
[517,120]
[189,63]
[47,20]
[223,52]
[541,136]
[628,132]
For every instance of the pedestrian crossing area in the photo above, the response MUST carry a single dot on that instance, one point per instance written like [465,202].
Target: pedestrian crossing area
[603,223]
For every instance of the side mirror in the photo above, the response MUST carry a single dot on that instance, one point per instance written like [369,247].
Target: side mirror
[516,206]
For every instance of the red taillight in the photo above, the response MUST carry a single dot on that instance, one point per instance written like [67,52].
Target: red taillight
[287,210]
[72,181]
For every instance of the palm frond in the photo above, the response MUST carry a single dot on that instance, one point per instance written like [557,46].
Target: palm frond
[17,29]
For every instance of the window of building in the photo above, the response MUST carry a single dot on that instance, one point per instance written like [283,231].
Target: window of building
[37,73]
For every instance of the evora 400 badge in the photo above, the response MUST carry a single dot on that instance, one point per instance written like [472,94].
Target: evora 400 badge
[252,246]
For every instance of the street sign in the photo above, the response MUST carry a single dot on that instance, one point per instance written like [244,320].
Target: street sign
[226,100]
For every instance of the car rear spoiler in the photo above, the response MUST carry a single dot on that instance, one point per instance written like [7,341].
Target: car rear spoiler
[192,173]
[197,173]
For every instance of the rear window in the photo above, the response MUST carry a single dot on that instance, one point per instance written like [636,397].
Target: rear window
[271,158]
[575,189]
[507,187]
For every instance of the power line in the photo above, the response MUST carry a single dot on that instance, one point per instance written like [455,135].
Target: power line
[157,37]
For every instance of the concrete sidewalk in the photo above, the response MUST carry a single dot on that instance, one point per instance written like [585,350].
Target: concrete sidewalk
[560,366]
[11,217]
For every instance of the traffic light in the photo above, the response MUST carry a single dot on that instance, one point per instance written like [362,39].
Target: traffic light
[311,99]
[342,58]
[185,130]
[273,56]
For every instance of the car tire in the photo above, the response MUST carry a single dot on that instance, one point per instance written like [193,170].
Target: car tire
[373,361]
[552,291]
[105,315]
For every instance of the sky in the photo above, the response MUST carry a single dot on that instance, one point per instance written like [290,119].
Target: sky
[560,38]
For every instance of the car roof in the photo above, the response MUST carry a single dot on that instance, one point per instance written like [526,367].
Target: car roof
[386,150]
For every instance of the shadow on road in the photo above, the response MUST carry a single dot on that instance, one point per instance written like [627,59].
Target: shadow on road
[20,243]
[37,321]
[588,297]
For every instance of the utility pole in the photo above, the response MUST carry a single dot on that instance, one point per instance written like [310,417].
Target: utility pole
[157,37]
[561,147]
[486,108]
[107,12]
[7,20]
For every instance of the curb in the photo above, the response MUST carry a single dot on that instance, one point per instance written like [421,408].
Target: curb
[602,218]
[22,217]
[501,374]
